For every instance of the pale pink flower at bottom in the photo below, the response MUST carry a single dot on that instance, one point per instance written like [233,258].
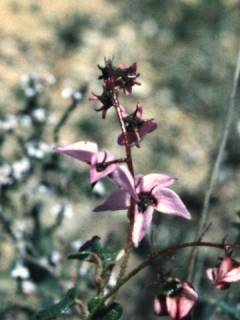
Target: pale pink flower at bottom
[150,193]
[224,274]
[177,304]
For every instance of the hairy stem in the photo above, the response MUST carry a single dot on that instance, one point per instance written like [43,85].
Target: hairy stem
[129,161]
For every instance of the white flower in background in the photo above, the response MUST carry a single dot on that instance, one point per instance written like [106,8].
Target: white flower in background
[55,257]
[37,150]
[20,167]
[44,261]
[31,85]
[28,287]
[43,189]
[66,207]
[9,122]
[48,79]
[5,172]
[39,114]
[76,244]
[25,121]
[75,95]
[20,271]
[67,93]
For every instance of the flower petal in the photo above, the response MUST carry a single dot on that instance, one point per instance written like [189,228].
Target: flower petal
[138,111]
[169,202]
[118,200]
[81,150]
[233,275]
[159,306]
[147,127]
[225,266]
[172,306]
[141,224]
[132,138]
[153,180]
[123,177]
[98,158]
[187,300]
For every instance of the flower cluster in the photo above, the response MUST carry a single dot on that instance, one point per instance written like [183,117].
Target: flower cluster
[141,195]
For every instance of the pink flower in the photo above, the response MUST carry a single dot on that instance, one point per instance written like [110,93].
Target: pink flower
[136,127]
[102,163]
[106,98]
[151,193]
[225,273]
[126,77]
[122,76]
[178,302]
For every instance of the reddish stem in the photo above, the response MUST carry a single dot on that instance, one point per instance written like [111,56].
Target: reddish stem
[173,249]
[129,162]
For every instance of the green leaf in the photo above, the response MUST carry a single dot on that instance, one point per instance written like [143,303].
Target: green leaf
[113,311]
[92,303]
[57,309]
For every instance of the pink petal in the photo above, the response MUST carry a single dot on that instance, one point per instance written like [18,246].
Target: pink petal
[141,225]
[82,150]
[147,127]
[138,111]
[172,306]
[118,200]
[159,306]
[233,275]
[187,300]
[99,157]
[225,266]
[152,180]
[124,179]
[132,139]
[170,203]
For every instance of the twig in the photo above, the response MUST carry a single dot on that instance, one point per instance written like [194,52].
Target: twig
[198,262]
[83,308]
[157,254]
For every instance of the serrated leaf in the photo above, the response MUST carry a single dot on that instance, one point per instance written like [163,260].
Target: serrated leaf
[57,309]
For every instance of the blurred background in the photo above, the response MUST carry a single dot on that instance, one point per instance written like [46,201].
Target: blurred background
[186,53]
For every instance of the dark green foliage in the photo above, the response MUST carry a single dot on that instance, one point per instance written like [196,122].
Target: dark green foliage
[113,311]
[57,310]
[94,246]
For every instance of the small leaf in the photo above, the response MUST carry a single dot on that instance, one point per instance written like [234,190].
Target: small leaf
[57,309]
[113,311]
[92,303]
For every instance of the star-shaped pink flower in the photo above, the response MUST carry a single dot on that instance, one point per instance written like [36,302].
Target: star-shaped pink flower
[178,303]
[102,163]
[150,193]
[136,127]
[224,274]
